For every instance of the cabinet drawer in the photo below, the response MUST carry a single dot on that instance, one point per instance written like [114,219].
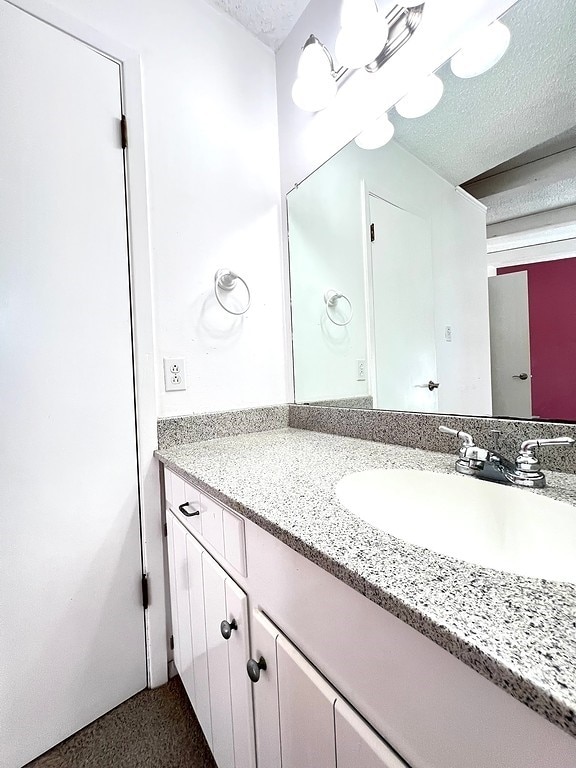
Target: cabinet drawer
[184,500]
[234,540]
[212,524]
[217,526]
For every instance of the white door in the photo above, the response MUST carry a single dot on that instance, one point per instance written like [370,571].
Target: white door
[72,640]
[306,704]
[510,345]
[402,294]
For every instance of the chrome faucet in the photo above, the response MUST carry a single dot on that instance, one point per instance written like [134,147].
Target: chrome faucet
[486,465]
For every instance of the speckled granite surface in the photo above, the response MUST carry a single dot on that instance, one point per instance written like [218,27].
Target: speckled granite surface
[420,430]
[366,402]
[173,430]
[518,632]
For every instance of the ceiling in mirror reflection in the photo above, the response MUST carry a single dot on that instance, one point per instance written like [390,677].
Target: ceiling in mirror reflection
[451,315]
[533,84]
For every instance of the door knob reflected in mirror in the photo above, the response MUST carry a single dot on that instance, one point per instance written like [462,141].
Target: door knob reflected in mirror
[227,627]
[253,668]
[522,376]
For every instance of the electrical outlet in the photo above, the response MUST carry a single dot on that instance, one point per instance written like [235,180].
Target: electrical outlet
[360,370]
[174,374]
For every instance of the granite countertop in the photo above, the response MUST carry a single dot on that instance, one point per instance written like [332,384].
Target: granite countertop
[518,632]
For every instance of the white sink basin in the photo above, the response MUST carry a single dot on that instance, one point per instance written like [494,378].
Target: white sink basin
[483,523]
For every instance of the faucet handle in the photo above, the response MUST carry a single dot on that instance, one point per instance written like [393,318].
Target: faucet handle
[529,446]
[527,461]
[467,439]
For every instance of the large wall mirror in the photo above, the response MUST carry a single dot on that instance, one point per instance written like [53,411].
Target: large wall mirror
[438,272]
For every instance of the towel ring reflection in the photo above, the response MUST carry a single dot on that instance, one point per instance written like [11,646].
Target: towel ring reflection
[226,280]
[331,299]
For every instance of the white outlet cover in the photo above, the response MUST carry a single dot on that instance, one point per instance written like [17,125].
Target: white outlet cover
[174,374]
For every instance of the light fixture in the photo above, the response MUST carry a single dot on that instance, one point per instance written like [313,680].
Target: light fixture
[367,39]
[315,86]
[482,51]
[422,98]
[377,134]
[363,33]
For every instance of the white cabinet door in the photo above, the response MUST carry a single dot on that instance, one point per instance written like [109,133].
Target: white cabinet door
[306,704]
[218,668]
[178,564]
[265,693]
[230,689]
[198,627]
[240,685]
[357,745]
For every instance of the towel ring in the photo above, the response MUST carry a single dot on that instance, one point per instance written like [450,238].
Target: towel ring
[331,299]
[226,280]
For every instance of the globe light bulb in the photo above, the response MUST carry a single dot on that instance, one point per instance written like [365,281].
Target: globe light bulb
[314,93]
[482,51]
[377,134]
[358,46]
[363,34]
[422,98]
[315,86]
[357,12]
[314,60]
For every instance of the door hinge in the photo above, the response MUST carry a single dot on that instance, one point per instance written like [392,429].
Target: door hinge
[165,528]
[145,590]
[124,131]
[171,642]
[372,233]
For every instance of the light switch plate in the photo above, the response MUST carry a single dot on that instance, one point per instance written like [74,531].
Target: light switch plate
[174,374]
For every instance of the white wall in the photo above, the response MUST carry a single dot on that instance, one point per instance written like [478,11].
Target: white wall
[326,244]
[212,155]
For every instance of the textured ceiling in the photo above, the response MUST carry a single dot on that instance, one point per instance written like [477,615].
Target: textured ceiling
[270,20]
[525,100]
[554,146]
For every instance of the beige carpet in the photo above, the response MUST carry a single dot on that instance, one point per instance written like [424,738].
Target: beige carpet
[154,729]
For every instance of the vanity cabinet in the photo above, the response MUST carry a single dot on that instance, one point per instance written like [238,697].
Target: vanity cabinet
[211,641]
[341,682]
